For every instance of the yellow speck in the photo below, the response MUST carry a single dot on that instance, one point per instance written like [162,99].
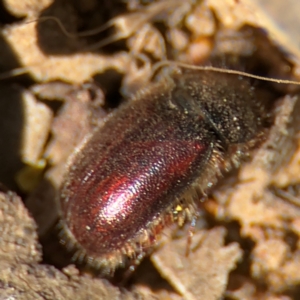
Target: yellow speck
[178,208]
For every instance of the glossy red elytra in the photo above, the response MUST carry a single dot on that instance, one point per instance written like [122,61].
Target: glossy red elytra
[162,149]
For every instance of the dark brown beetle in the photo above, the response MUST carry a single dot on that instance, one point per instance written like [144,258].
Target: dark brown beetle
[147,164]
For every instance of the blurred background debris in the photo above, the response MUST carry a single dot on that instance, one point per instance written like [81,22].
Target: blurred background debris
[247,242]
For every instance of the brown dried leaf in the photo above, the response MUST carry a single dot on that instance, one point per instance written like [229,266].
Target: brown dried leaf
[204,273]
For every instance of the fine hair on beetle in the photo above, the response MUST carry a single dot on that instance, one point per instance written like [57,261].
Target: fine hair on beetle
[154,157]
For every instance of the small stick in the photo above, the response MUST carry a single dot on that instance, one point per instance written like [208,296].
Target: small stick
[219,70]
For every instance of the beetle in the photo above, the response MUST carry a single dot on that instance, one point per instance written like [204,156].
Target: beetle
[150,161]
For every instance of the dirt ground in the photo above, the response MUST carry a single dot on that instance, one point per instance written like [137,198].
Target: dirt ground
[58,84]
